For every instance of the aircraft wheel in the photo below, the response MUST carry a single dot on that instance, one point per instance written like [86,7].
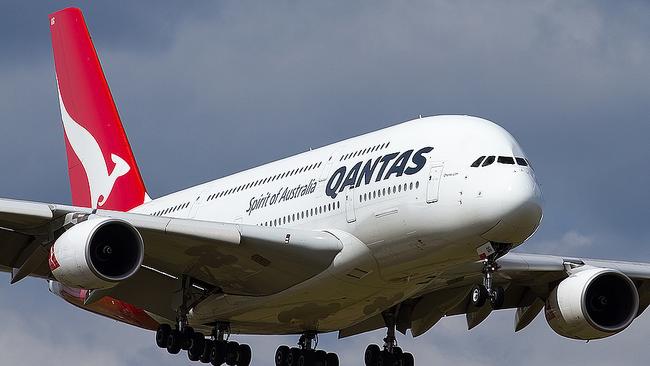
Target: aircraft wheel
[479,295]
[218,354]
[307,358]
[187,333]
[281,356]
[332,359]
[161,335]
[175,342]
[244,355]
[196,345]
[294,357]
[318,358]
[231,353]
[407,359]
[372,355]
[207,351]
[497,298]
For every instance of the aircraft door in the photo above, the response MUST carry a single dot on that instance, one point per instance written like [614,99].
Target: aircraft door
[433,184]
[350,214]
[198,202]
[328,166]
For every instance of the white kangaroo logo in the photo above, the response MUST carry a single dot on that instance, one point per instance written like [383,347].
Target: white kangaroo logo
[90,154]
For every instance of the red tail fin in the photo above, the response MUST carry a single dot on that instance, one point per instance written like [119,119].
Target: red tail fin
[103,171]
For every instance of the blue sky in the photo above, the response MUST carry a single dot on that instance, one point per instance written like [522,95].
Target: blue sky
[208,89]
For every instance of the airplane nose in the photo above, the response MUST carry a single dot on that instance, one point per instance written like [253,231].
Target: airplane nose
[515,202]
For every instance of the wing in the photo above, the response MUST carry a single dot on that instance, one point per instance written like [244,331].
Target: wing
[528,280]
[219,257]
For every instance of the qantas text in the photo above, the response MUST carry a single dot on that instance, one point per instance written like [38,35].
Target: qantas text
[407,163]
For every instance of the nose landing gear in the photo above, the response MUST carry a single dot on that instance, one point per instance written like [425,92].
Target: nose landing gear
[487,291]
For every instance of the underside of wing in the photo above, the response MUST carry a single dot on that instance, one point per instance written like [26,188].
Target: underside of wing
[207,257]
[605,296]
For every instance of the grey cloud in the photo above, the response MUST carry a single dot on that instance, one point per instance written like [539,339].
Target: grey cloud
[205,90]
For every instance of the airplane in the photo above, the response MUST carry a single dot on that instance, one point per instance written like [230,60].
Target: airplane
[392,229]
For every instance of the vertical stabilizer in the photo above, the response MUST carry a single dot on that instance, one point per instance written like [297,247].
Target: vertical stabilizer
[103,171]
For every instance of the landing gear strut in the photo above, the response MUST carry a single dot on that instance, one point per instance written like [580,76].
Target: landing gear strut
[305,354]
[482,292]
[216,351]
[391,354]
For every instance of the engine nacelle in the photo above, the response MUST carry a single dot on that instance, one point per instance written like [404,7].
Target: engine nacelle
[97,254]
[591,304]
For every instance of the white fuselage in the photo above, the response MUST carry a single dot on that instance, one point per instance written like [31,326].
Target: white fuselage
[404,200]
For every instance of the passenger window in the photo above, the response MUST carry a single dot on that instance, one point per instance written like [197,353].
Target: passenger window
[505,160]
[521,161]
[489,160]
[478,162]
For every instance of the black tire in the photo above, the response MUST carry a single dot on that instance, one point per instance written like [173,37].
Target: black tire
[372,355]
[318,358]
[281,355]
[162,334]
[244,355]
[497,298]
[307,358]
[478,295]
[331,359]
[187,332]
[218,354]
[294,357]
[207,351]
[231,353]
[382,361]
[407,359]
[174,342]
[196,345]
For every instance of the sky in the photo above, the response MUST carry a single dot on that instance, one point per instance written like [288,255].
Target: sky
[206,89]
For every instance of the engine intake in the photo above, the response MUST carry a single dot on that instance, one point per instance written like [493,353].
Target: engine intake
[97,254]
[591,304]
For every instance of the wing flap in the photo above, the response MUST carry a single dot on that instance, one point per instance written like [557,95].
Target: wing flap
[24,215]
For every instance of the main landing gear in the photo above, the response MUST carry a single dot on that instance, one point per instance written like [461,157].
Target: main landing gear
[305,354]
[216,351]
[391,355]
[487,291]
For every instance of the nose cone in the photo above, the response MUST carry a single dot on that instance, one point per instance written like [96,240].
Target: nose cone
[514,202]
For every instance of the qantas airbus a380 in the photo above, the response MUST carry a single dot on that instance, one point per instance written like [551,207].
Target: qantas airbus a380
[392,229]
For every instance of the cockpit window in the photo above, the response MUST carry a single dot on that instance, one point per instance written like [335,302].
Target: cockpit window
[478,162]
[489,160]
[505,160]
[521,161]
[529,164]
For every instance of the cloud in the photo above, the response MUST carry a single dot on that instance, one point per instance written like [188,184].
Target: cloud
[205,90]
[570,243]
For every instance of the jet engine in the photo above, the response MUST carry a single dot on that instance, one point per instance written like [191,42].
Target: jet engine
[591,304]
[97,254]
